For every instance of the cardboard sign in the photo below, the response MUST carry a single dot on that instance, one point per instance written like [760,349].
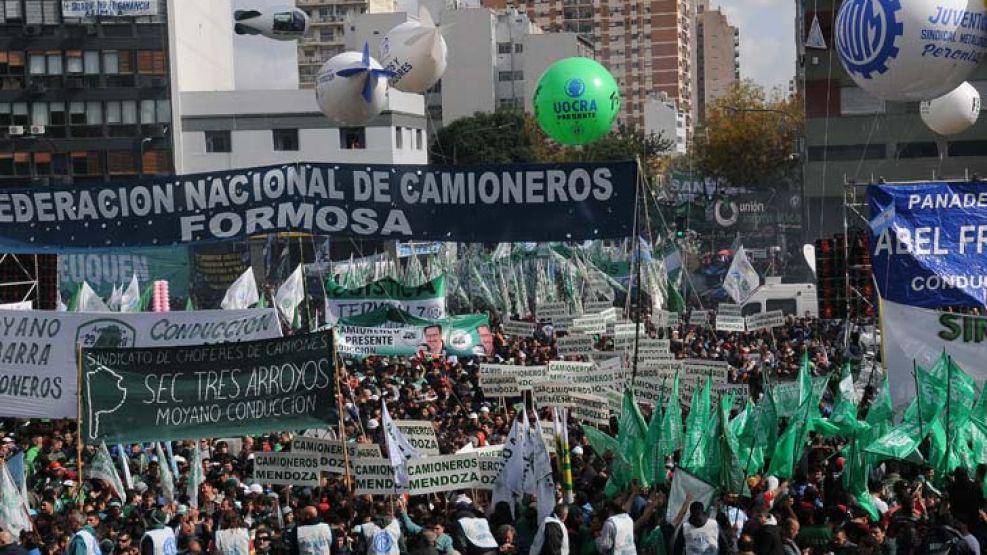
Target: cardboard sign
[592,324]
[442,473]
[374,476]
[556,394]
[287,469]
[421,435]
[489,462]
[766,320]
[551,311]
[698,318]
[729,309]
[698,369]
[496,384]
[566,371]
[730,323]
[591,408]
[330,451]
[650,390]
[592,307]
[574,345]
[519,329]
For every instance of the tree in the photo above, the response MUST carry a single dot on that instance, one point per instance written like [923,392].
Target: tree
[485,138]
[747,137]
[625,142]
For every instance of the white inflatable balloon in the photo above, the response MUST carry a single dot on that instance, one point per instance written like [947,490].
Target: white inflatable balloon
[953,113]
[351,88]
[287,23]
[911,50]
[416,52]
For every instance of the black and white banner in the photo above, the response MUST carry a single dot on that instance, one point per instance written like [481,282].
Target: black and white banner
[531,202]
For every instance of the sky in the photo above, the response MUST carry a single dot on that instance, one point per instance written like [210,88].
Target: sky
[767,39]
[767,45]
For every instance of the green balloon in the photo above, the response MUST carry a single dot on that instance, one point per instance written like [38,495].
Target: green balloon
[576,101]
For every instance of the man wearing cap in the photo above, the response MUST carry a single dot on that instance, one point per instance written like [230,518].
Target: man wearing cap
[83,536]
[311,536]
[159,539]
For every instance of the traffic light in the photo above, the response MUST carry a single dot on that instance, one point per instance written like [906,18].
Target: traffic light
[680,226]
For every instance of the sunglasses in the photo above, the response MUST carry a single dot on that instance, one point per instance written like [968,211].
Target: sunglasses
[264,539]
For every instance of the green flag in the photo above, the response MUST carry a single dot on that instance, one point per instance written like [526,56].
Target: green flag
[929,400]
[732,468]
[670,439]
[782,460]
[675,301]
[653,462]
[695,442]
[844,415]
[963,388]
[632,430]
[102,468]
[164,474]
[901,442]
[600,442]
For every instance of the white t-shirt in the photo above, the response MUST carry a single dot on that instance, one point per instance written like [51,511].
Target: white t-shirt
[879,504]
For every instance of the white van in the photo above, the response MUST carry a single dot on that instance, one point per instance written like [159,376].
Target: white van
[799,299]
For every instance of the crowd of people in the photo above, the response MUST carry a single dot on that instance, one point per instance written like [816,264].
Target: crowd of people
[232,514]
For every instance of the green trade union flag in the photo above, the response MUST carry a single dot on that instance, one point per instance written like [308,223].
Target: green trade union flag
[229,389]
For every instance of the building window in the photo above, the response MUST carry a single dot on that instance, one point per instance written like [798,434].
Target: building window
[36,64]
[164,111]
[518,48]
[94,113]
[148,112]
[218,141]
[398,137]
[967,148]
[54,64]
[847,152]
[917,150]
[129,109]
[113,112]
[90,62]
[77,113]
[503,48]
[56,113]
[39,113]
[111,62]
[419,142]
[352,138]
[504,76]
[285,139]
[73,61]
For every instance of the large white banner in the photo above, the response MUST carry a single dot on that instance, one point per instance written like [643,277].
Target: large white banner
[911,333]
[38,372]
[108,8]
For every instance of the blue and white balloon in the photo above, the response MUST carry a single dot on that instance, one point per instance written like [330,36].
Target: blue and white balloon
[911,50]
[416,52]
[351,88]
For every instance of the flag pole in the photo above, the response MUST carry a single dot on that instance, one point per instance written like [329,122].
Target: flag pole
[78,414]
[301,262]
[347,478]
[918,400]
[949,390]
[637,240]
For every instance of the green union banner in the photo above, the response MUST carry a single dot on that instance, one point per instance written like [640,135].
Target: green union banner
[230,389]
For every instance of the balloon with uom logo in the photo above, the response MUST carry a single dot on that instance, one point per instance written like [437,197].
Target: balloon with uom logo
[576,101]
[911,50]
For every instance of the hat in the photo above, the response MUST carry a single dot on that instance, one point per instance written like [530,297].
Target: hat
[182,509]
[115,503]
[256,488]
[68,483]
[473,415]
[178,459]
[577,450]
[372,424]
[462,499]
[286,511]
[772,482]
[375,397]
[8,439]
[484,409]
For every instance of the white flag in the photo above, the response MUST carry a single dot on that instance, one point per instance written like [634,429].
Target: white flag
[399,449]
[130,299]
[14,516]
[88,301]
[510,480]
[538,475]
[815,38]
[243,292]
[742,279]
[291,294]
[195,478]
[684,490]
[167,481]
[60,306]
[128,480]
[113,303]
[101,468]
